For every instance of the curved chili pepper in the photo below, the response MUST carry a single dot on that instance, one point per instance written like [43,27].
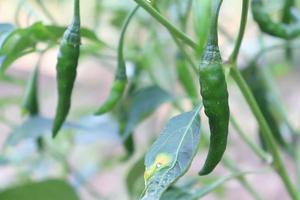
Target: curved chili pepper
[119,84]
[214,95]
[30,103]
[267,25]
[66,68]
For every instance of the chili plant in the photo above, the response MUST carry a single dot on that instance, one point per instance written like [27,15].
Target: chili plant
[170,65]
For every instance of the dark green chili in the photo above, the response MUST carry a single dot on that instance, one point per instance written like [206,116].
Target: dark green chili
[119,84]
[30,103]
[122,117]
[66,68]
[260,91]
[214,94]
[269,26]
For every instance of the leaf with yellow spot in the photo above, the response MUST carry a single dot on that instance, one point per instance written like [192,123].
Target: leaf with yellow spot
[162,160]
[172,153]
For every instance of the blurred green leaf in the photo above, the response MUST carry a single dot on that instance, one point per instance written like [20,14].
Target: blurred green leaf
[44,190]
[25,40]
[144,102]
[118,17]
[172,153]
[58,31]
[21,42]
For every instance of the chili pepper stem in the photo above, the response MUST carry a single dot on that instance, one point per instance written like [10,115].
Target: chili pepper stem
[278,164]
[245,7]
[77,10]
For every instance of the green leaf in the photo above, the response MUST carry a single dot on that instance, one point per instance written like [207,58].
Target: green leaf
[144,102]
[134,178]
[23,41]
[44,190]
[172,153]
[118,17]
[58,31]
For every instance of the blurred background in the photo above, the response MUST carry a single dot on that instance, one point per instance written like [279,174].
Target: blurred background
[89,152]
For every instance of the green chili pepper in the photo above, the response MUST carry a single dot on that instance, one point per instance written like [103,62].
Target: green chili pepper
[214,95]
[119,84]
[260,91]
[30,103]
[66,68]
[267,25]
[122,119]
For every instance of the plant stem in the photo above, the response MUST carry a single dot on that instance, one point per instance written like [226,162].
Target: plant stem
[161,19]
[278,164]
[77,10]
[233,57]
[256,149]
